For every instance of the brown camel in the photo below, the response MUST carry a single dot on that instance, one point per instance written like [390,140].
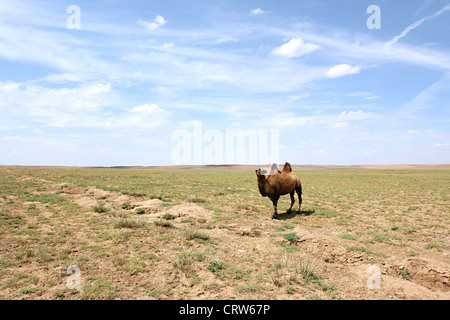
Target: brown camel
[280,183]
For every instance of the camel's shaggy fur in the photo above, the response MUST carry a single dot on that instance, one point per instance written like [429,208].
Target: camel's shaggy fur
[280,183]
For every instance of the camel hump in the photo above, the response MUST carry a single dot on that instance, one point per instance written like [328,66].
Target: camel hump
[274,169]
[287,167]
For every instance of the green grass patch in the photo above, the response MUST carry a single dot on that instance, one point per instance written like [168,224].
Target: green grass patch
[348,237]
[99,288]
[364,249]
[9,220]
[44,198]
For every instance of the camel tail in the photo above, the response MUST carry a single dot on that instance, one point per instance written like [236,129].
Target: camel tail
[298,186]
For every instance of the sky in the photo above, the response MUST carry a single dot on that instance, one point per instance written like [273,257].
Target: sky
[123,83]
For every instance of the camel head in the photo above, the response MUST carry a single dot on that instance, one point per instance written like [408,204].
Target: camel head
[260,176]
[262,182]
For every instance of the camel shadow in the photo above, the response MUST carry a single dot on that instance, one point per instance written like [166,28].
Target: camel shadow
[285,216]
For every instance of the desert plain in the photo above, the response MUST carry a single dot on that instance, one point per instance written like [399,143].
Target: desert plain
[205,233]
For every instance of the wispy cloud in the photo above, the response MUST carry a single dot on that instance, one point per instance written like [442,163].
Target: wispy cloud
[257,12]
[428,97]
[417,24]
[297,97]
[367,50]
[336,121]
[87,106]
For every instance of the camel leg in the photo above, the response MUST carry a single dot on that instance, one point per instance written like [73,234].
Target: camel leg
[299,193]
[292,201]
[275,211]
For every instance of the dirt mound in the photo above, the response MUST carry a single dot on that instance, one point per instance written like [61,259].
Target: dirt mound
[96,197]
[97,193]
[186,212]
[430,274]
[146,207]
[153,208]
[190,211]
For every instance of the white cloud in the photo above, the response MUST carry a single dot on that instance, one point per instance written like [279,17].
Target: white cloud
[340,125]
[295,48]
[167,45]
[86,106]
[123,121]
[67,57]
[257,11]
[441,145]
[341,122]
[147,109]
[355,115]
[342,70]
[369,153]
[155,25]
[38,100]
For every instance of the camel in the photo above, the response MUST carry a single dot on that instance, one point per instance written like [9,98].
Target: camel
[278,184]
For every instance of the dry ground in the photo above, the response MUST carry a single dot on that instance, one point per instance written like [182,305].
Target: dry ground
[174,233]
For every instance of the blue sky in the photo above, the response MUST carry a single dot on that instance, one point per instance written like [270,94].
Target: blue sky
[119,87]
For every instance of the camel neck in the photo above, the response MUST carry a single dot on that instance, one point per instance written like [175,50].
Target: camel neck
[262,186]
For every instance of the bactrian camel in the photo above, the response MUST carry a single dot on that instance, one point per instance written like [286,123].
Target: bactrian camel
[277,184]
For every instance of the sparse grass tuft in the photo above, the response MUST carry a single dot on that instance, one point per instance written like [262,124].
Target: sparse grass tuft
[291,237]
[99,207]
[249,288]
[196,235]
[196,199]
[129,223]
[348,237]
[433,245]
[184,263]
[139,211]
[285,271]
[168,216]
[216,267]
[164,223]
